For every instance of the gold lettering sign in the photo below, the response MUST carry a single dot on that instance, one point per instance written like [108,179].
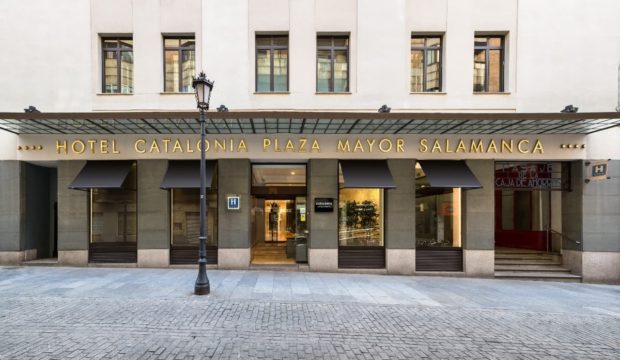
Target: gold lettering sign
[384,145]
[275,145]
[477,146]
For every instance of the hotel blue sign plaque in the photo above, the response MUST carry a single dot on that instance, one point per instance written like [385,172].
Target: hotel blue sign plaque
[234,202]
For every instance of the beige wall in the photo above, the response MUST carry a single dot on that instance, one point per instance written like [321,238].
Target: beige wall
[61,40]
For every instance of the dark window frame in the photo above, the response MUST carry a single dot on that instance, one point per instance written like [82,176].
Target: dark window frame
[424,50]
[180,50]
[487,48]
[118,50]
[271,47]
[332,48]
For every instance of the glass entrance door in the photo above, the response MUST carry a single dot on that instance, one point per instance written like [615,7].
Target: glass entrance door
[278,227]
[279,220]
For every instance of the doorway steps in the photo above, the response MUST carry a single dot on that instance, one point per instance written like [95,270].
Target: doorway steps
[521,264]
[41,262]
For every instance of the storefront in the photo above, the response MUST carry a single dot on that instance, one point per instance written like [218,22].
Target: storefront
[388,193]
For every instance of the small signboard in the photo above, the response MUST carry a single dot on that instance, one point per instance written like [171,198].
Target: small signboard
[599,170]
[323,205]
[233,202]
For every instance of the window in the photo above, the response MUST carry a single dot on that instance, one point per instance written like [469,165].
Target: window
[271,63]
[332,65]
[179,63]
[425,64]
[113,213]
[186,216]
[361,217]
[117,74]
[489,64]
[437,215]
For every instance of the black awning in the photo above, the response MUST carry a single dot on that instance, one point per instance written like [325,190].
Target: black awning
[185,174]
[102,174]
[449,174]
[366,174]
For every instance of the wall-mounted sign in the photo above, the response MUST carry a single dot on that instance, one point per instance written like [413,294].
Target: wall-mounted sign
[599,170]
[323,204]
[295,146]
[233,202]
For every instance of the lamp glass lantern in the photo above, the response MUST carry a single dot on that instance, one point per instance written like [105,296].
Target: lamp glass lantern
[202,87]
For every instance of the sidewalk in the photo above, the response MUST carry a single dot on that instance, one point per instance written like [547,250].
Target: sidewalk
[151,313]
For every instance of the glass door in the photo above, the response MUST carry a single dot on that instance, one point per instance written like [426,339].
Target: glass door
[278,226]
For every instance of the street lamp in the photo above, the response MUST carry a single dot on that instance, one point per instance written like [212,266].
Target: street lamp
[202,87]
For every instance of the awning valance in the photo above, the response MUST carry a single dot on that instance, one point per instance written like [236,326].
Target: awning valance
[449,174]
[185,174]
[366,174]
[102,174]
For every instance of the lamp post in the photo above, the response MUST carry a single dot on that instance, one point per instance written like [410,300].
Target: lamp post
[202,87]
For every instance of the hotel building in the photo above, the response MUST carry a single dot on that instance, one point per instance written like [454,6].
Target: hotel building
[401,137]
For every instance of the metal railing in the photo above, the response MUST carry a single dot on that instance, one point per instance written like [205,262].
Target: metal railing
[367,236]
[554,234]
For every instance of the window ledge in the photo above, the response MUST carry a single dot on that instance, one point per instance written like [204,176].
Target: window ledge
[176,93]
[271,93]
[333,93]
[114,94]
[428,93]
[492,93]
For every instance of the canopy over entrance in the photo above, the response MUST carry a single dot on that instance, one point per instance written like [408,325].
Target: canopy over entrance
[296,122]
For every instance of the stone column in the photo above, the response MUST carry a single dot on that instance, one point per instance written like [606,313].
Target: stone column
[153,215]
[73,217]
[323,237]
[12,213]
[400,218]
[591,215]
[479,221]
[234,226]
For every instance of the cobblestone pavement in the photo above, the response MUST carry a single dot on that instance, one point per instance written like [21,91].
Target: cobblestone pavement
[85,313]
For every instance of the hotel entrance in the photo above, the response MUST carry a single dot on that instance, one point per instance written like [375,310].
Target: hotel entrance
[279,214]
[279,231]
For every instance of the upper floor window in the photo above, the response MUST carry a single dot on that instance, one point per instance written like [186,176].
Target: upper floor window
[179,63]
[332,65]
[117,69]
[489,63]
[271,63]
[425,63]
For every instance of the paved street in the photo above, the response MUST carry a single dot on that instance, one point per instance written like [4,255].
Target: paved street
[151,314]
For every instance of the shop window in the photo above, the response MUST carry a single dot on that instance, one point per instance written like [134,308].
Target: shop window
[360,217]
[186,217]
[271,63]
[117,65]
[113,213]
[179,63]
[438,214]
[438,218]
[489,63]
[426,62]
[332,64]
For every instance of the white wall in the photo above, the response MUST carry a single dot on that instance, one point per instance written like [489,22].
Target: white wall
[559,52]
